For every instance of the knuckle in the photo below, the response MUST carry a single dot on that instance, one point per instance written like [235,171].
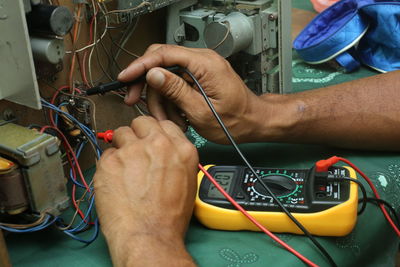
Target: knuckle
[214,56]
[160,142]
[153,47]
[121,130]
[140,120]
[107,153]
[161,48]
[188,150]
[222,62]
[217,60]
[168,124]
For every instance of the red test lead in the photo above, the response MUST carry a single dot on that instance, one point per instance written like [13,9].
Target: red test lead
[106,136]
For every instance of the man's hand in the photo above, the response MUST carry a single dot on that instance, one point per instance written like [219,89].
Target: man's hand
[238,107]
[145,189]
[358,114]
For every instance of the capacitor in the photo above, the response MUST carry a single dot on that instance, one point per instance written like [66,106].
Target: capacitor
[230,34]
[13,197]
[47,49]
[48,19]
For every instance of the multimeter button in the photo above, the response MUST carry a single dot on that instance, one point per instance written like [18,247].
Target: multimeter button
[240,196]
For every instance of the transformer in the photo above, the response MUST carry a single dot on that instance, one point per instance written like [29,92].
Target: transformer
[31,172]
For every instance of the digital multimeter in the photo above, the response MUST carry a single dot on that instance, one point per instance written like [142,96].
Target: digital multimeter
[324,208]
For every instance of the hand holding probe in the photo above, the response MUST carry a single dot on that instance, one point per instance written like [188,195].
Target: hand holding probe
[115,85]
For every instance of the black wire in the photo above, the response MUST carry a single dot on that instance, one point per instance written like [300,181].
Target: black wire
[131,26]
[378,201]
[228,135]
[115,63]
[105,74]
[361,186]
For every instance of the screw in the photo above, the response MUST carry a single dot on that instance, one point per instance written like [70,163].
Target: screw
[8,114]
[272,17]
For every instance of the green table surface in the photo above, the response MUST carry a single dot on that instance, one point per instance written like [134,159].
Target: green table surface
[372,242]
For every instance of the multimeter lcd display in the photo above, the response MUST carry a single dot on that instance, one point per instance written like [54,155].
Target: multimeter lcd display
[225,180]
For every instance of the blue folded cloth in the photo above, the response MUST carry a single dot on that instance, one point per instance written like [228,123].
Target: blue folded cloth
[351,31]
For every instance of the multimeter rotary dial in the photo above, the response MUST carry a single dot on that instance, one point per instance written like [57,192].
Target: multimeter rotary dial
[281,185]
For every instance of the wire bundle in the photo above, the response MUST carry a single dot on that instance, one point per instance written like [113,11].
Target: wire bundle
[82,193]
[88,191]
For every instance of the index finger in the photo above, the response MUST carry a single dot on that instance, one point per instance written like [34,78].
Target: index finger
[123,136]
[160,56]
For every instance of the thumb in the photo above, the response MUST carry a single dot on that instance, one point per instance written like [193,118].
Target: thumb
[171,86]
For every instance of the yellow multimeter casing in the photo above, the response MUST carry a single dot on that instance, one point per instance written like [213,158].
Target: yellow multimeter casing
[338,220]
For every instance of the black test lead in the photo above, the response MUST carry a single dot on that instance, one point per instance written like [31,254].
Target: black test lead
[115,85]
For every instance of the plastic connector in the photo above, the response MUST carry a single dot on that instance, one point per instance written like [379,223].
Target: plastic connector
[107,136]
[323,165]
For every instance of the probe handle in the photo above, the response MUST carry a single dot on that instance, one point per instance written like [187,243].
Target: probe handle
[115,85]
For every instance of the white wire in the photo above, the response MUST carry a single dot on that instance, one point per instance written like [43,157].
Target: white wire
[126,39]
[92,49]
[95,41]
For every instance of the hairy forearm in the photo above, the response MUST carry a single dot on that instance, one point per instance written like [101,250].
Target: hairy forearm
[359,114]
[142,249]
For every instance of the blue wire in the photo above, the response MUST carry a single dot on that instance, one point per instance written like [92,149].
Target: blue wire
[88,132]
[78,153]
[47,222]
[56,114]
[95,234]
[84,127]
[82,224]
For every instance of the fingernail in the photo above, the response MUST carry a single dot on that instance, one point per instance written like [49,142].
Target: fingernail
[121,73]
[156,78]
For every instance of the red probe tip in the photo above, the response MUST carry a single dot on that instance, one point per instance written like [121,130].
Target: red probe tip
[107,136]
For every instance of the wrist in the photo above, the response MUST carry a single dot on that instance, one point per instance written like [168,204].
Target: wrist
[148,249]
[274,118]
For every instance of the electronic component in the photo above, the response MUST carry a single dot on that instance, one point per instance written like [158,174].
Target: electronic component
[35,157]
[49,50]
[19,49]
[324,208]
[17,73]
[13,197]
[50,20]
[138,7]
[80,109]
[253,35]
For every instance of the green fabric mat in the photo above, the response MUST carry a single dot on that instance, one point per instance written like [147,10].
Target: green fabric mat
[372,243]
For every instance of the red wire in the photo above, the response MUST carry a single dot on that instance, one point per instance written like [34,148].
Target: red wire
[383,208]
[53,99]
[70,151]
[253,220]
